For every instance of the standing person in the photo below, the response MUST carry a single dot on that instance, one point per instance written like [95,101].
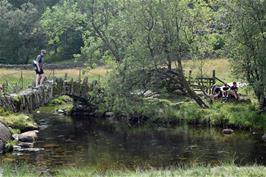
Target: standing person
[39,68]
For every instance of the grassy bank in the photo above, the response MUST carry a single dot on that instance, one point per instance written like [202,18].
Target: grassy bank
[18,122]
[225,170]
[225,115]
[235,115]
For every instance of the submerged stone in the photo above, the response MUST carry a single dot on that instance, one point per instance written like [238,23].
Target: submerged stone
[19,149]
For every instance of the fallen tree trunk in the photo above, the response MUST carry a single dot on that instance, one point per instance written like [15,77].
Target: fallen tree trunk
[157,79]
[189,91]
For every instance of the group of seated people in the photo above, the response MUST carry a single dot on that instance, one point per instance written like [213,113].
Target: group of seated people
[226,91]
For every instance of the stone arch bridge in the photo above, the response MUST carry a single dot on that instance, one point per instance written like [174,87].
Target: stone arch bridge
[33,98]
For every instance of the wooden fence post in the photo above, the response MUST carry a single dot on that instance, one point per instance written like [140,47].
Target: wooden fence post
[21,78]
[79,75]
[65,76]
[7,85]
[189,76]
[3,87]
[213,77]
[53,74]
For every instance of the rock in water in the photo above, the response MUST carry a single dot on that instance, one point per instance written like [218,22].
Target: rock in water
[109,115]
[228,131]
[264,137]
[29,136]
[5,135]
[26,145]
[60,111]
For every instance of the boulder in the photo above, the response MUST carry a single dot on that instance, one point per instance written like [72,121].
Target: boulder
[228,131]
[2,146]
[264,137]
[29,136]
[5,135]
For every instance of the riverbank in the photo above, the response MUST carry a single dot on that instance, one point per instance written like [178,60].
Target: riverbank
[225,170]
[182,110]
[17,122]
[88,147]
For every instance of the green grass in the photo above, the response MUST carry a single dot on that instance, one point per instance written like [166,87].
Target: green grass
[225,114]
[13,76]
[240,115]
[25,78]
[17,121]
[217,171]
[222,67]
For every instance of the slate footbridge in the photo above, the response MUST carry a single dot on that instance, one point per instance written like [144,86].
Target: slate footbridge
[33,98]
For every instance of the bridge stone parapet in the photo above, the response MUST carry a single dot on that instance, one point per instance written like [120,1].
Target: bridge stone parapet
[32,98]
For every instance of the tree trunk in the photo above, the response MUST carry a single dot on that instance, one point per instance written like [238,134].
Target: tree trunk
[262,103]
[186,86]
[192,94]
[188,90]
[261,99]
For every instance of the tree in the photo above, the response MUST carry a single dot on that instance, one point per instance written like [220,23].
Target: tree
[136,35]
[145,36]
[64,25]
[248,43]
[20,34]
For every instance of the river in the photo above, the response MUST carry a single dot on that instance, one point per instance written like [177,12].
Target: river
[114,145]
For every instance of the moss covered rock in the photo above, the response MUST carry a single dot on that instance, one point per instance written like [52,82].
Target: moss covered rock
[5,135]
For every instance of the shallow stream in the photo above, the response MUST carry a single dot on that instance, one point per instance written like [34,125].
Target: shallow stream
[113,145]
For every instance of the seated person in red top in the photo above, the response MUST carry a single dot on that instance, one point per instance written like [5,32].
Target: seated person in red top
[233,91]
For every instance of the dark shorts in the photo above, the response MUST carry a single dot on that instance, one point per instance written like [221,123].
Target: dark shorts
[39,72]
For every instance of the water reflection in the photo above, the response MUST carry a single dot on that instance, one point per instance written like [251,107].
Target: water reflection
[105,144]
